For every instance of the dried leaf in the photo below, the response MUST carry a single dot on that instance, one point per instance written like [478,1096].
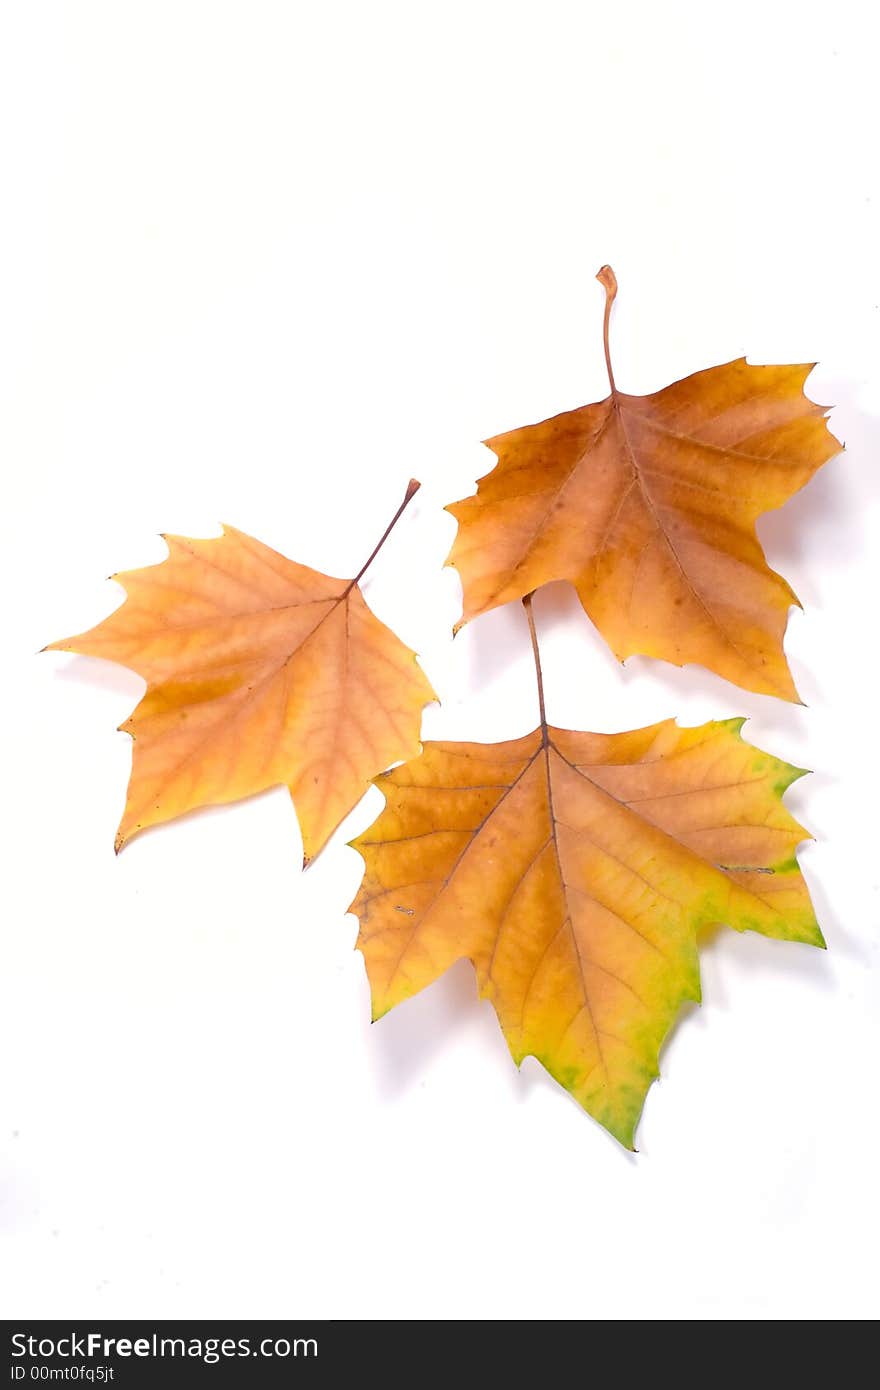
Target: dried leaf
[648,504]
[259,672]
[575,871]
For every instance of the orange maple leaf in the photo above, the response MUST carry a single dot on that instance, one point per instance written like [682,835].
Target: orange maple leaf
[259,672]
[575,871]
[648,504]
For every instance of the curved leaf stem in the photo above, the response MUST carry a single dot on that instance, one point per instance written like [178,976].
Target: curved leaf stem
[411,490]
[527,605]
[608,280]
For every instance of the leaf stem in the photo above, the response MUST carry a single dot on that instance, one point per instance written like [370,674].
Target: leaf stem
[608,280]
[527,605]
[411,490]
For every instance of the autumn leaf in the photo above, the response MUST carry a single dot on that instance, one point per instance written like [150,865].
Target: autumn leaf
[575,871]
[648,504]
[259,672]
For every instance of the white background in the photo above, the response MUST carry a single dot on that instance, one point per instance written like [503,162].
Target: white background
[261,263]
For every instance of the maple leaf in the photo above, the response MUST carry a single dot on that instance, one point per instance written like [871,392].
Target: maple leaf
[575,871]
[259,672]
[648,504]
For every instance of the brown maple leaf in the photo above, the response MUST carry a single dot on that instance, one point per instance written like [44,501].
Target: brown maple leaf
[259,672]
[575,871]
[648,504]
